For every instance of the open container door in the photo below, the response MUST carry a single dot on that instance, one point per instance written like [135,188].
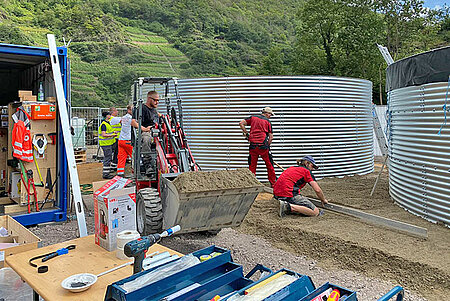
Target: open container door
[25,68]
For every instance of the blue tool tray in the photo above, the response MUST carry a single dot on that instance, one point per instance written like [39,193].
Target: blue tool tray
[303,284]
[223,285]
[200,273]
[351,295]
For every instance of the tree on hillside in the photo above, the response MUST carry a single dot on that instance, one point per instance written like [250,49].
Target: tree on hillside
[317,32]
[273,63]
[337,38]
[410,28]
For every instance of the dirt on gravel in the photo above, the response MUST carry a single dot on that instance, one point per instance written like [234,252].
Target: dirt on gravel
[197,181]
[337,248]
[343,242]
[249,250]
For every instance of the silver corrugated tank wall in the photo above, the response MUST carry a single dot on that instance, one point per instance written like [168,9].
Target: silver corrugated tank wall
[327,117]
[419,156]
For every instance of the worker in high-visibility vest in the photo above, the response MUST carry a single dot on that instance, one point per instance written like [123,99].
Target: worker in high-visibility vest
[114,121]
[106,138]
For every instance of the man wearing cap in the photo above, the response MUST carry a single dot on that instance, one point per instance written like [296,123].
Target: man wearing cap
[291,181]
[260,138]
[106,139]
[149,118]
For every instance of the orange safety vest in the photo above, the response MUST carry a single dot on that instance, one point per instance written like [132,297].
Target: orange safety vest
[21,142]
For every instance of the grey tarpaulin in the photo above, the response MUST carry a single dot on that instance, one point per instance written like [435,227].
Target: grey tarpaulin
[428,67]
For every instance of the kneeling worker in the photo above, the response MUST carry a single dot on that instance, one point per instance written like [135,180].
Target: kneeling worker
[291,181]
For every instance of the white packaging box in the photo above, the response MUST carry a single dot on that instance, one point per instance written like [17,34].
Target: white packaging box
[114,210]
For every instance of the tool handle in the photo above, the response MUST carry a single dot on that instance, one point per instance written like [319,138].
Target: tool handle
[115,268]
[48,257]
[138,260]
[170,231]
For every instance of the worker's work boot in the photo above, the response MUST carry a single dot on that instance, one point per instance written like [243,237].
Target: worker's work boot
[284,209]
[108,176]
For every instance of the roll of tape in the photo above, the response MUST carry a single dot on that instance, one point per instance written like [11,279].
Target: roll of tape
[126,236]
[120,254]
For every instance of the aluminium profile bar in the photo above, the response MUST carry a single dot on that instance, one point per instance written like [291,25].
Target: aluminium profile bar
[65,126]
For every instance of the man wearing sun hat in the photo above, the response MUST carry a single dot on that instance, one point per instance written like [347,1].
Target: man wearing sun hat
[260,138]
[291,181]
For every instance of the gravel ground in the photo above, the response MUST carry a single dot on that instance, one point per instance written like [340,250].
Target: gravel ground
[264,238]
[249,250]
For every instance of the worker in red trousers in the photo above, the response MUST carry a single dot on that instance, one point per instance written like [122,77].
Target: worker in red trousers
[291,181]
[260,138]
[125,146]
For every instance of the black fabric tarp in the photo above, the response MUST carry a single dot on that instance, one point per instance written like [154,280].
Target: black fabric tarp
[428,67]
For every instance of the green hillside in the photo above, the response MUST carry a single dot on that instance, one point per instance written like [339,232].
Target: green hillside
[115,41]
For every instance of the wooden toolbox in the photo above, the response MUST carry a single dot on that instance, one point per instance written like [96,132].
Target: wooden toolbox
[18,233]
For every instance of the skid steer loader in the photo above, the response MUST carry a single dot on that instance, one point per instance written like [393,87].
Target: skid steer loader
[160,204]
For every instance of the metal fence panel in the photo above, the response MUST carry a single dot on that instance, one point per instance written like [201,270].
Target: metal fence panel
[327,117]
[86,121]
[419,153]
[381,113]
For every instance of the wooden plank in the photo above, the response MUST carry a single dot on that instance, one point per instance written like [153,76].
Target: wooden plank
[16,208]
[89,173]
[27,240]
[6,201]
[370,218]
[87,257]
[268,190]
[375,219]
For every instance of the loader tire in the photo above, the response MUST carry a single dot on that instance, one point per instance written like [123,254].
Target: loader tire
[149,215]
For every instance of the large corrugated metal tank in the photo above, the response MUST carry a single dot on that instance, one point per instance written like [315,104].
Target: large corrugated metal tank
[327,117]
[419,174]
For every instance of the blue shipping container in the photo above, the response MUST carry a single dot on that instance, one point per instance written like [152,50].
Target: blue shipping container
[23,68]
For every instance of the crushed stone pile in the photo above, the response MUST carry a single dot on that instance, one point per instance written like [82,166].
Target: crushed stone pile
[197,181]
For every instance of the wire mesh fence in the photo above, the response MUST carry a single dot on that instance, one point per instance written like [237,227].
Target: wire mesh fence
[85,123]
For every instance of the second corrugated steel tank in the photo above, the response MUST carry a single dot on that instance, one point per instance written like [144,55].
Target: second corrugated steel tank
[327,117]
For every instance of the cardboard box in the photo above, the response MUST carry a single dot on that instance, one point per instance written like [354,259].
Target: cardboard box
[114,210]
[15,184]
[28,98]
[25,238]
[23,93]
[43,111]
[50,99]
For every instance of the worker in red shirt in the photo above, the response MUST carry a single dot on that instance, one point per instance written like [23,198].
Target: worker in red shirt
[291,181]
[260,138]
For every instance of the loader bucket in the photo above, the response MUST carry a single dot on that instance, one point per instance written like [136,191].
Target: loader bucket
[203,205]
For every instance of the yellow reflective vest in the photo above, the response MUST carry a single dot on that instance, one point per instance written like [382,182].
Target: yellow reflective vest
[117,129]
[105,141]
